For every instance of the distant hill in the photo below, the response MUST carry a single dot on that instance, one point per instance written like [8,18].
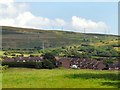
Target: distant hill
[14,37]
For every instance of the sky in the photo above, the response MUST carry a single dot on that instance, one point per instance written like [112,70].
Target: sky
[91,17]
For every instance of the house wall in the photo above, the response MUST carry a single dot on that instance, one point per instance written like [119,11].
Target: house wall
[65,63]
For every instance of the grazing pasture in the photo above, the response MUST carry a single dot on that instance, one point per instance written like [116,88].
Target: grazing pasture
[59,78]
[24,38]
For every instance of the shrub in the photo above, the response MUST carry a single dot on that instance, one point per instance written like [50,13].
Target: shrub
[13,54]
[47,64]
[31,55]
[20,64]
[5,53]
[39,65]
[50,57]
[4,67]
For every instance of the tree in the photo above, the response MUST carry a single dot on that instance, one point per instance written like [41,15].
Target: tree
[47,64]
[48,56]
[38,65]
[49,61]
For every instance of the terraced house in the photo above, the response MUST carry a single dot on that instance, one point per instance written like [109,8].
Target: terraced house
[79,63]
[87,64]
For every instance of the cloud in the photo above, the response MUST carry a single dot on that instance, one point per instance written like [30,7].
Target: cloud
[16,14]
[6,1]
[81,23]
[10,9]
[23,18]
[59,22]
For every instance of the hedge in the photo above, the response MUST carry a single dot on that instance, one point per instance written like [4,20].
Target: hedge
[23,64]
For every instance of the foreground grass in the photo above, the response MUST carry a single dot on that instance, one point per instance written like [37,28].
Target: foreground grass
[59,78]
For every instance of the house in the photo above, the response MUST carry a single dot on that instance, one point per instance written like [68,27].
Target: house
[6,59]
[100,65]
[23,59]
[64,62]
[82,63]
[114,66]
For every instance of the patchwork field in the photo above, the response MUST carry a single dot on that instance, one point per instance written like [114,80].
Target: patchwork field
[59,78]
[29,43]
[19,38]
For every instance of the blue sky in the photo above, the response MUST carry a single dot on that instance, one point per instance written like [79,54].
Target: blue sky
[96,11]
[95,17]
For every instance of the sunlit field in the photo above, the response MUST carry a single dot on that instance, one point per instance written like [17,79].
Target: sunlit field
[59,78]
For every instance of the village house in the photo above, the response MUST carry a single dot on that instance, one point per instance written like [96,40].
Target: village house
[80,63]
[114,66]
[64,62]
[23,59]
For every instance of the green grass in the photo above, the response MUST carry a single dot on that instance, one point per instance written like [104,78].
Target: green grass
[1,53]
[59,78]
[109,42]
[14,37]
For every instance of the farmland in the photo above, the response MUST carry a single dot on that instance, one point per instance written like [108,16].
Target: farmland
[28,43]
[59,78]
[17,41]
[26,38]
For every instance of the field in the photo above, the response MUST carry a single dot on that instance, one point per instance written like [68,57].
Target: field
[29,43]
[25,38]
[59,78]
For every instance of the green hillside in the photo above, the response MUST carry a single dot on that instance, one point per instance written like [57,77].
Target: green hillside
[14,37]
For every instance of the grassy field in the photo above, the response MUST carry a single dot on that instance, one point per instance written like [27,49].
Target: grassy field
[109,42]
[59,78]
[14,37]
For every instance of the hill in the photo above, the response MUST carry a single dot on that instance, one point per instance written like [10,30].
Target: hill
[16,37]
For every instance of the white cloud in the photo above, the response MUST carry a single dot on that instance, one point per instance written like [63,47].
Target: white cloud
[7,22]
[81,23]
[10,9]
[6,1]
[16,14]
[23,18]
[59,22]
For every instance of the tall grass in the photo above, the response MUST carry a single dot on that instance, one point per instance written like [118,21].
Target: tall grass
[59,78]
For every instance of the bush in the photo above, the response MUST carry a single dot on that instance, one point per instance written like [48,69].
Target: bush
[31,55]
[47,64]
[39,65]
[13,54]
[50,57]
[5,53]
[20,64]
[4,67]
